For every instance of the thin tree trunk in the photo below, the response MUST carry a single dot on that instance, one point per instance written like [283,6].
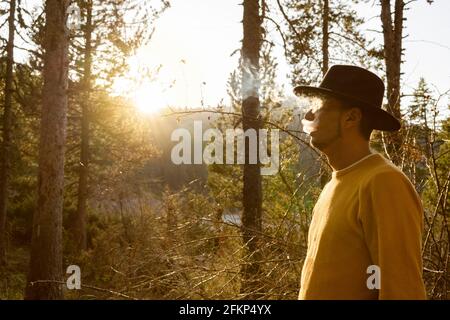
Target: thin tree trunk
[81,216]
[393,33]
[324,171]
[252,194]
[5,150]
[325,37]
[46,246]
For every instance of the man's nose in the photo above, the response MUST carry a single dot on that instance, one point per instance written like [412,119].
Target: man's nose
[309,115]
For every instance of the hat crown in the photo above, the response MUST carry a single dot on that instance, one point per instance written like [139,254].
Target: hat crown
[360,88]
[355,82]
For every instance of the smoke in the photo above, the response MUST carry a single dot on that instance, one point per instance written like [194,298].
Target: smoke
[310,104]
[251,81]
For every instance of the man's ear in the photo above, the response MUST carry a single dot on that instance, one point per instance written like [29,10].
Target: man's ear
[352,117]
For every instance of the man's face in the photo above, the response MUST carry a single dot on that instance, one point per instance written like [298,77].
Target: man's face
[323,120]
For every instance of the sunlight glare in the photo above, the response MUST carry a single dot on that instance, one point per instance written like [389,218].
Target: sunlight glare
[149,99]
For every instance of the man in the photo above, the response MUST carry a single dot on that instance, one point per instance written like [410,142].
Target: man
[365,237]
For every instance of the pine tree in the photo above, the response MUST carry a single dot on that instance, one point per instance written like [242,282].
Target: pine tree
[5,148]
[46,248]
[392,23]
[322,33]
[88,45]
[252,192]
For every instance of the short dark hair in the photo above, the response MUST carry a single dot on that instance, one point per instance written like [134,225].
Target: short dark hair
[365,126]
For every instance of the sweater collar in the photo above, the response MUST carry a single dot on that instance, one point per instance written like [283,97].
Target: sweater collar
[354,166]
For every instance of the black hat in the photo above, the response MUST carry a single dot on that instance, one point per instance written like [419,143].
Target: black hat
[359,86]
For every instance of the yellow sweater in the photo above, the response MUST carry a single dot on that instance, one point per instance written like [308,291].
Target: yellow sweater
[367,214]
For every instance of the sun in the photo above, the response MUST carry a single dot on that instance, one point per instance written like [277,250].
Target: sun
[149,98]
[147,84]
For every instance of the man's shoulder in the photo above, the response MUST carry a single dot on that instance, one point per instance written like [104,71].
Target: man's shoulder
[385,172]
[387,181]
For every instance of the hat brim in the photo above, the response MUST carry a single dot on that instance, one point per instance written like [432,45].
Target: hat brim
[380,119]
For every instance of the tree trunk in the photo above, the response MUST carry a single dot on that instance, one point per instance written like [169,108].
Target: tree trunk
[252,194]
[324,169]
[325,36]
[5,150]
[46,247]
[81,215]
[393,33]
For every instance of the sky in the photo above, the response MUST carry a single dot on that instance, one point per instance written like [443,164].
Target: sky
[194,41]
[427,46]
